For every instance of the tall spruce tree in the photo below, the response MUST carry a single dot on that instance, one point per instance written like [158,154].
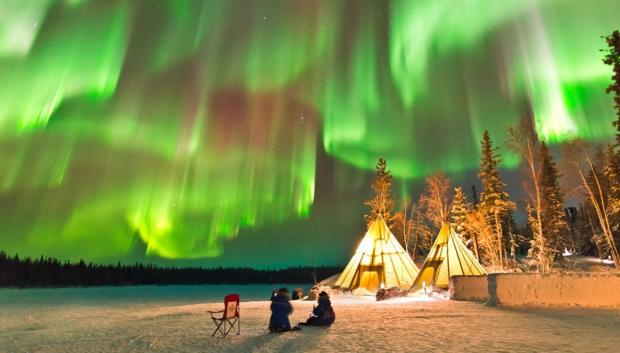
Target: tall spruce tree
[382,201]
[474,195]
[609,190]
[539,253]
[459,212]
[514,238]
[553,214]
[495,203]
[610,180]
[612,170]
[612,58]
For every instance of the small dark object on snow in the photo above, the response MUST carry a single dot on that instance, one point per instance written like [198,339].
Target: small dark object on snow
[318,288]
[394,292]
[298,293]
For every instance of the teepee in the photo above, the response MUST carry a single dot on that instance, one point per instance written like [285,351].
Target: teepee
[379,262]
[448,257]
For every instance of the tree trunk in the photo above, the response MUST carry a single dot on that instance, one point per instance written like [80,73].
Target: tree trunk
[596,242]
[476,246]
[601,212]
[415,246]
[541,239]
[500,244]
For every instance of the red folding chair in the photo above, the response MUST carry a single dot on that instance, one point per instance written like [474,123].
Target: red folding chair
[230,316]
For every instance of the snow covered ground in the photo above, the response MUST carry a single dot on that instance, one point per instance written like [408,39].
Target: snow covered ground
[586,264]
[411,324]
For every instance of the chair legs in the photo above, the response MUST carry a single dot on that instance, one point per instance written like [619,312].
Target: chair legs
[232,326]
[220,326]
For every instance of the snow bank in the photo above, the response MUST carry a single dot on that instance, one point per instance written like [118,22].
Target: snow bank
[471,288]
[593,290]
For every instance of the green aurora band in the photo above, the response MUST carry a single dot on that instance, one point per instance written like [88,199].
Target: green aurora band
[175,124]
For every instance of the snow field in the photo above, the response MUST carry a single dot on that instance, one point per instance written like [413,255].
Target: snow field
[411,324]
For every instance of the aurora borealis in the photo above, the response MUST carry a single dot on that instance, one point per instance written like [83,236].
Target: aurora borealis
[228,130]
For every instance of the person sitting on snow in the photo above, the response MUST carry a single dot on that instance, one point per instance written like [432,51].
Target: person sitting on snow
[323,314]
[281,308]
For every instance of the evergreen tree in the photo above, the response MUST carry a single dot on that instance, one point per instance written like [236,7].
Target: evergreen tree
[612,170]
[48,272]
[381,202]
[514,239]
[612,156]
[612,58]
[581,237]
[540,253]
[474,195]
[459,212]
[610,187]
[494,204]
[552,204]
[610,183]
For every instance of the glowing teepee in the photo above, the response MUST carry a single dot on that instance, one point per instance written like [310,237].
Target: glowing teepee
[379,262]
[448,257]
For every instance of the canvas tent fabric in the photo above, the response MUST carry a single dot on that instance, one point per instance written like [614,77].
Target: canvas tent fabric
[448,257]
[379,262]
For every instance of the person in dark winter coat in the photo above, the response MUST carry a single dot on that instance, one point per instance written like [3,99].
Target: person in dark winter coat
[281,308]
[323,314]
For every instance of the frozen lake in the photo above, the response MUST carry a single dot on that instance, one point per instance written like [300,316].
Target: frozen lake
[175,319]
[134,295]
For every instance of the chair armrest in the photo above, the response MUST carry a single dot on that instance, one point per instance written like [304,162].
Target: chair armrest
[212,313]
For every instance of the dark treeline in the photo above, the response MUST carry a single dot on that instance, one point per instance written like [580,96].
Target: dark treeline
[50,272]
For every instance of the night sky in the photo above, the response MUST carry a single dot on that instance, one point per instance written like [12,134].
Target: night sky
[245,132]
